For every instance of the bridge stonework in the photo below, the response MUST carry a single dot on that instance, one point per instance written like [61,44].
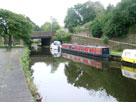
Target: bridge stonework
[44,36]
[39,34]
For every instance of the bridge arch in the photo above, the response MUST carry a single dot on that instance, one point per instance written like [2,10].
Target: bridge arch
[44,36]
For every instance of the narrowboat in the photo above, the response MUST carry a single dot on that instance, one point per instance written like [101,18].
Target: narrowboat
[97,51]
[129,56]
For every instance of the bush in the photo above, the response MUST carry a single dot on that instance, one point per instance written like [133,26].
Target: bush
[96,28]
[105,40]
[77,29]
[62,36]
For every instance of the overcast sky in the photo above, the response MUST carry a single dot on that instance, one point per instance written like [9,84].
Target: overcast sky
[40,11]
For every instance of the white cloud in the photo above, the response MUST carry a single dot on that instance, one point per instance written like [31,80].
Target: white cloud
[40,11]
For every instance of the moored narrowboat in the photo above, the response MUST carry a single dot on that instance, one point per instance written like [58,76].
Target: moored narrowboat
[129,56]
[97,51]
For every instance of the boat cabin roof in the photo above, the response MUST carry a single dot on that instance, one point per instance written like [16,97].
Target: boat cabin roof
[130,53]
[85,45]
[130,50]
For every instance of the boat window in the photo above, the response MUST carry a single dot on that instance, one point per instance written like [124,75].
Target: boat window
[72,47]
[127,54]
[135,75]
[89,50]
[57,43]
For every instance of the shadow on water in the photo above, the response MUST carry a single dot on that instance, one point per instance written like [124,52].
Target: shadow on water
[58,78]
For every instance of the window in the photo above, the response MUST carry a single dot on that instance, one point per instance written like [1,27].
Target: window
[89,50]
[81,49]
[57,43]
[127,54]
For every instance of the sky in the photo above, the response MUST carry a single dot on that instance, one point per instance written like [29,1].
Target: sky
[40,11]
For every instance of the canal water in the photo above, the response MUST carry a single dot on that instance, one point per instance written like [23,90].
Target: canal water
[63,77]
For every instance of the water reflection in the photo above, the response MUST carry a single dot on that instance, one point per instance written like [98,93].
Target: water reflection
[110,80]
[54,87]
[128,72]
[40,51]
[61,80]
[91,62]
[55,53]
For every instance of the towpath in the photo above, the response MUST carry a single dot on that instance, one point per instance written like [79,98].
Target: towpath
[13,87]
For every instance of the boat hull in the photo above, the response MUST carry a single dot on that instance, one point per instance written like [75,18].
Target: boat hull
[86,53]
[129,60]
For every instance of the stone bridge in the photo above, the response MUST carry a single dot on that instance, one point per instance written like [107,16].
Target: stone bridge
[44,36]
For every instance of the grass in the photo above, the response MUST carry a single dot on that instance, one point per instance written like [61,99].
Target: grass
[17,46]
[114,52]
[25,60]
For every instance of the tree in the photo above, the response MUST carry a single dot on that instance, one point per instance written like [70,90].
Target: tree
[15,25]
[50,26]
[46,27]
[61,36]
[96,28]
[120,19]
[36,27]
[55,25]
[72,19]
[83,13]
[109,8]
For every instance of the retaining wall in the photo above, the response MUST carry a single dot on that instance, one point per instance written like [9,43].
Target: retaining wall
[115,45]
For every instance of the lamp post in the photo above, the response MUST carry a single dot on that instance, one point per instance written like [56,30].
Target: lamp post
[51,22]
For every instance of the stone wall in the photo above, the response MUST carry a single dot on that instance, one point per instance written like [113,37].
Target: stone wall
[129,38]
[115,45]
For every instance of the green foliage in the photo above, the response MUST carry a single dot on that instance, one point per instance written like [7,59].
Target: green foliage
[46,27]
[105,40]
[77,29]
[109,8]
[55,24]
[120,19]
[83,28]
[50,26]
[25,60]
[36,27]
[72,19]
[61,36]
[96,28]
[82,13]
[15,25]
[38,42]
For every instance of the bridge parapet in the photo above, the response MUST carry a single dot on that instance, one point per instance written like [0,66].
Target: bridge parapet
[40,34]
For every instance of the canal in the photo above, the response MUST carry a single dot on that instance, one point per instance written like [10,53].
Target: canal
[63,77]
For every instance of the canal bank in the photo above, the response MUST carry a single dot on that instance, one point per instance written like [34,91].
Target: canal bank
[13,87]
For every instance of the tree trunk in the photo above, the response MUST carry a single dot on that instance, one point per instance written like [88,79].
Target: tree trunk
[10,41]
